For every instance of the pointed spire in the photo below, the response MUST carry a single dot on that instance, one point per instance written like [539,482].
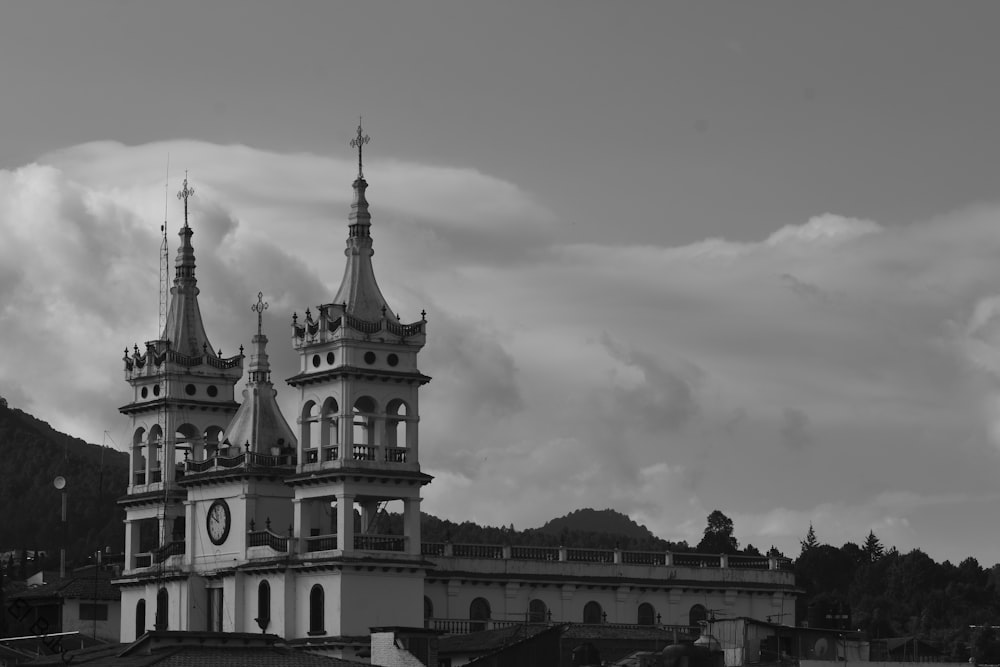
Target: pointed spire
[184,326]
[358,290]
[259,421]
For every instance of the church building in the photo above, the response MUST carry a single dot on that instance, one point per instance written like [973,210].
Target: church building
[238,522]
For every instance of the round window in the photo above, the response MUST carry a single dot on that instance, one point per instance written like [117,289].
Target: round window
[315,361]
[369,358]
[156,390]
[145,392]
[329,358]
[392,360]
[189,390]
[212,390]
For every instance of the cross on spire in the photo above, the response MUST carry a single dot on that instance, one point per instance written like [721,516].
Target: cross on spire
[185,193]
[359,142]
[259,308]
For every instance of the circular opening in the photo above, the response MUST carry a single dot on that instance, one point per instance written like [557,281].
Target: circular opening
[145,392]
[189,390]
[329,358]
[392,359]
[213,391]
[315,361]
[369,358]
[156,390]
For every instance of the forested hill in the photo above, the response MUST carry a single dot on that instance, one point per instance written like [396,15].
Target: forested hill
[588,528]
[32,454]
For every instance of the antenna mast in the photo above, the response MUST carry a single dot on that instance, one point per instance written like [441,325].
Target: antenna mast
[164,255]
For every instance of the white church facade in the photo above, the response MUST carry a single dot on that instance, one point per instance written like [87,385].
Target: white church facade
[238,522]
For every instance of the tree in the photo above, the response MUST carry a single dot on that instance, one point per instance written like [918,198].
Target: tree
[873,548]
[810,542]
[718,537]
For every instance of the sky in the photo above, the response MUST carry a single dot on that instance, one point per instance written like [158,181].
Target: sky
[675,257]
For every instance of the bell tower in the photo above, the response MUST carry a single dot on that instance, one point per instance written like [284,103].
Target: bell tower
[182,399]
[358,466]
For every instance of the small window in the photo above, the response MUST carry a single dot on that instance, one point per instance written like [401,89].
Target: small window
[190,390]
[329,358]
[369,358]
[144,392]
[212,390]
[316,361]
[156,390]
[537,611]
[392,359]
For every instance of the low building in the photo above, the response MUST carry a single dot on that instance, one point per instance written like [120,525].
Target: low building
[85,603]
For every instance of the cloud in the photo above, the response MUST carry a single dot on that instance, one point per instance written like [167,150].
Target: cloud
[566,373]
[794,430]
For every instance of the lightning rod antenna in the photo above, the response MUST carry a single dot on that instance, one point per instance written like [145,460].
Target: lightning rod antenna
[164,254]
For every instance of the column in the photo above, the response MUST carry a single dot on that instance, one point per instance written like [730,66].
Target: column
[345,522]
[411,525]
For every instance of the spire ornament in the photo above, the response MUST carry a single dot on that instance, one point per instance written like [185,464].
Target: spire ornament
[259,308]
[185,193]
[359,143]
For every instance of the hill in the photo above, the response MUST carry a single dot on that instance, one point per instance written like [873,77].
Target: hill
[32,454]
[606,521]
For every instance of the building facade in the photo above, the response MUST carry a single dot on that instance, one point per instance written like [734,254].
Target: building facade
[238,522]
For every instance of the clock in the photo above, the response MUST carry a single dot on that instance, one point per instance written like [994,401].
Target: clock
[218,521]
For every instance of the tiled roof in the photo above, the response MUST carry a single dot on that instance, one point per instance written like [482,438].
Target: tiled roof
[84,588]
[198,656]
[488,640]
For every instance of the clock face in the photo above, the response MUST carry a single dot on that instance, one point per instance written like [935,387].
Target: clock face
[218,521]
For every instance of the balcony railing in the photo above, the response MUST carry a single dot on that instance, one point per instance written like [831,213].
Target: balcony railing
[395,454]
[168,550]
[246,459]
[460,626]
[363,452]
[321,543]
[380,542]
[265,538]
[602,556]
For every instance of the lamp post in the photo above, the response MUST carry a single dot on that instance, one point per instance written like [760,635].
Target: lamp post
[60,484]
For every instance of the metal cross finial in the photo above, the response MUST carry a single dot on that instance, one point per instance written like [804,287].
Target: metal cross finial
[359,142]
[259,308]
[185,193]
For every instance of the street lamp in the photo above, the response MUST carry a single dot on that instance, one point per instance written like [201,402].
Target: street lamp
[60,484]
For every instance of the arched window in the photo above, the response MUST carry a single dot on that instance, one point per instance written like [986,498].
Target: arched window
[479,613]
[647,615]
[697,614]
[329,435]
[395,425]
[177,533]
[263,604]
[140,618]
[309,426]
[162,607]
[537,611]
[317,624]
[592,613]
[364,423]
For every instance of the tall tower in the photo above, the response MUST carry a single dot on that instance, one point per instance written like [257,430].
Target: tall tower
[358,451]
[182,398]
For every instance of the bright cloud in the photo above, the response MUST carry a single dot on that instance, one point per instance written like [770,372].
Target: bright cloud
[834,359]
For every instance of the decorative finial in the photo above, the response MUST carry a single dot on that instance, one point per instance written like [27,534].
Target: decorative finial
[259,308]
[185,193]
[359,142]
